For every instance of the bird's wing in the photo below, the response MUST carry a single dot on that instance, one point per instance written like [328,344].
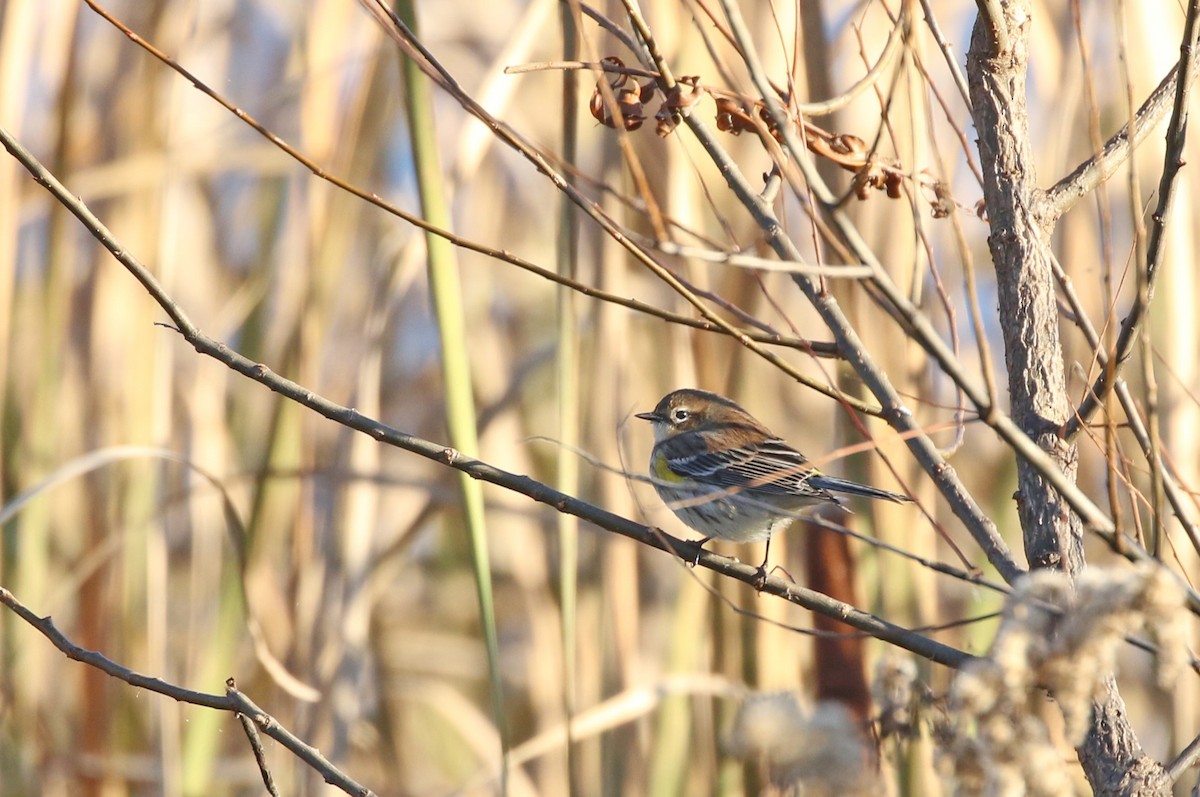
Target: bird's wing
[771,466]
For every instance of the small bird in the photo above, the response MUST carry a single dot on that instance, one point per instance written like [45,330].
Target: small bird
[729,477]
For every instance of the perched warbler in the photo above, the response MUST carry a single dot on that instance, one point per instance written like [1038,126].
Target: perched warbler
[729,477]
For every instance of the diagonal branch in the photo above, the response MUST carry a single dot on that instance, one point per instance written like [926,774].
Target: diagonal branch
[422,57]
[1172,164]
[896,413]
[1063,195]
[475,468]
[1174,492]
[922,330]
[232,701]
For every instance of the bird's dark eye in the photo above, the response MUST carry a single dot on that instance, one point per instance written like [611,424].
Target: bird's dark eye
[680,415]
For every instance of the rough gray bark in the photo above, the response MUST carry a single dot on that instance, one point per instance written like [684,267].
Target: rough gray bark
[1020,247]
[1111,755]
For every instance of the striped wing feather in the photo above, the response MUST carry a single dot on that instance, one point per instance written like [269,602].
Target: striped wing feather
[770,467]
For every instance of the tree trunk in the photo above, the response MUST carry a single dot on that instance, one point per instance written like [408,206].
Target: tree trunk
[1019,240]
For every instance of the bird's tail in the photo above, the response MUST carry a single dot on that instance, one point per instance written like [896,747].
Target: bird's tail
[835,485]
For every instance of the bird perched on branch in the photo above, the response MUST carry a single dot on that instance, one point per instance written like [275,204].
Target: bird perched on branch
[729,477]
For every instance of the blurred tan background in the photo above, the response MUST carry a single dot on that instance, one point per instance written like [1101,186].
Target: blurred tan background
[356,563]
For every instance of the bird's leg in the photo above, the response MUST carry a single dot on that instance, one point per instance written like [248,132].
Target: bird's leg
[760,578]
[699,547]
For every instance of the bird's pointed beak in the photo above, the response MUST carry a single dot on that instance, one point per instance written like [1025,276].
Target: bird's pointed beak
[649,416]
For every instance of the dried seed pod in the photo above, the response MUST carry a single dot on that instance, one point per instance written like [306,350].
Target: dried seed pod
[892,182]
[631,108]
[670,113]
[732,117]
[629,99]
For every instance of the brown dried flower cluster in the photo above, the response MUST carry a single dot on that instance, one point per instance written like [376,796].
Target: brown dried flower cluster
[631,99]
[735,116]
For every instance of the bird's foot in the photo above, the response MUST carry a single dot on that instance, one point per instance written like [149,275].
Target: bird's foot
[761,575]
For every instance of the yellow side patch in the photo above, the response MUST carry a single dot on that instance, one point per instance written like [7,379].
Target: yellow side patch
[662,471]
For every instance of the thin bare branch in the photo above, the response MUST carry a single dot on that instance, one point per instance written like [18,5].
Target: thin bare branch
[232,701]
[1186,759]
[964,505]
[708,324]
[424,58]
[475,468]
[1063,195]
[256,747]
[1172,165]
[1174,492]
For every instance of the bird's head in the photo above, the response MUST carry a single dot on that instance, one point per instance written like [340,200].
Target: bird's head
[689,409]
